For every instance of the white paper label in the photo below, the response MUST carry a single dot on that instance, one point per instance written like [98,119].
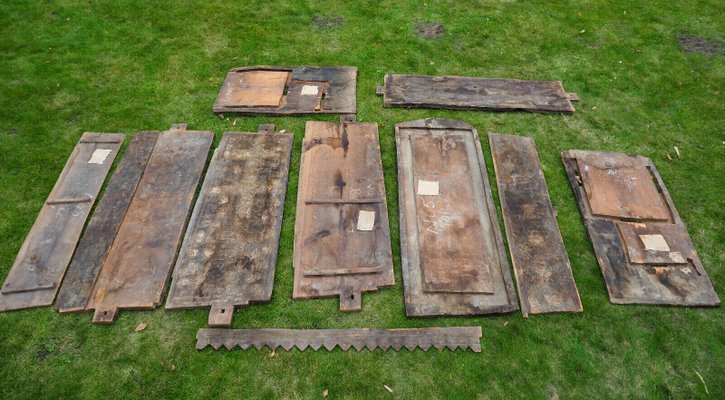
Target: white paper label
[654,242]
[99,156]
[428,188]
[309,90]
[365,220]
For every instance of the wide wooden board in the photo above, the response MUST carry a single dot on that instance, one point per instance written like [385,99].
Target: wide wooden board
[288,91]
[451,246]
[229,252]
[643,248]
[137,268]
[466,93]
[541,265]
[101,230]
[342,235]
[36,275]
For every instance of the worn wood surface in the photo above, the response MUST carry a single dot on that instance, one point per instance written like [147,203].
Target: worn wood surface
[451,246]
[341,180]
[466,93]
[101,230]
[136,270]
[36,275]
[288,91]
[229,252]
[465,337]
[641,258]
[541,265]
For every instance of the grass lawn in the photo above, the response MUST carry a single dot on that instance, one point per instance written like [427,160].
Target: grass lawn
[127,66]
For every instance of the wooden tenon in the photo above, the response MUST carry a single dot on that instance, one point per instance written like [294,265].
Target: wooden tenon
[641,243]
[229,252]
[452,251]
[541,265]
[36,275]
[342,235]
[466,93]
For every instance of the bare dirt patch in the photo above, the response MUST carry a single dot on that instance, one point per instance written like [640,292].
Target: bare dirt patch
[322,22]
[430,30]
[699,45]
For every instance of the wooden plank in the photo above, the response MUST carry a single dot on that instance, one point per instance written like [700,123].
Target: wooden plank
[101,230]
[634,274]
[458,223]
[288,91]
[541,265]
[229,252]
[465,337]
[466,93]
[136,270]
[341,179]
[35,276]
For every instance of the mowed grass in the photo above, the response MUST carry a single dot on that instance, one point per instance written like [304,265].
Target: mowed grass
[127,66]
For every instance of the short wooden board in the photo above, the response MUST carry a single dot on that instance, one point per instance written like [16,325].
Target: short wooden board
[451,246]
[137,268]
[643,248]
[229,252]
[101,230]
[342,235]
[36,275]
[541,265]
[288,91]
[466,93]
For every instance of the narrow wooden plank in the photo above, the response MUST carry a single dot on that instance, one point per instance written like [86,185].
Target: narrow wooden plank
[541,265]
[36,275]
[229,252]
[341,179]
[447,212]
[466,93]
[101,230]
[628,279]
[136,270]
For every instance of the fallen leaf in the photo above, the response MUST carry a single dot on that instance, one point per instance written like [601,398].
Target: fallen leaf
[677,151]
[505,323]
[669,157]
[235,122]
[140,327]
[273,354]
[388,388]
[172,367]
[703,382]
[325,393]
[221,116]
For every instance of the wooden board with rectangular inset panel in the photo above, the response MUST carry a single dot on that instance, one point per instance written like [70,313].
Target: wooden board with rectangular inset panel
[288,91]
[342,235]
[644,251]
[229,252]
[136,270]
[451,245]
[36,275]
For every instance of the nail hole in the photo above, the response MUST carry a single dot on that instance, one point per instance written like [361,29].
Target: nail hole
[352,296]
[223,310]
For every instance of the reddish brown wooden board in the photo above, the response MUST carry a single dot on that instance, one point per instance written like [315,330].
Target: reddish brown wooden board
[101,230]
[541,265]
[465,93]
[229,252]
[136,270]
[342,235]
[451,246]
[36,275]
[288,91]
[643,248]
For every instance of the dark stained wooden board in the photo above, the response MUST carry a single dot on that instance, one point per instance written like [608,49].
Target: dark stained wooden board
[541,265]
[137,267]
[340,185]
[229,252]
[36,275]
[466,93]
[633,273]
[288,91]
[458,224]
[101,230]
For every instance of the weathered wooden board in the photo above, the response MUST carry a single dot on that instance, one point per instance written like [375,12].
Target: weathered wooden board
[288,91]
[36,275]
[137,267]
[451,246]
[643,248]
[229,252]
[465,93]
[465,337]
[342,235]
[101,230]
[541,265]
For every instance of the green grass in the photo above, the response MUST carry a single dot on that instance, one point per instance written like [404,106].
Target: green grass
[128,66]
